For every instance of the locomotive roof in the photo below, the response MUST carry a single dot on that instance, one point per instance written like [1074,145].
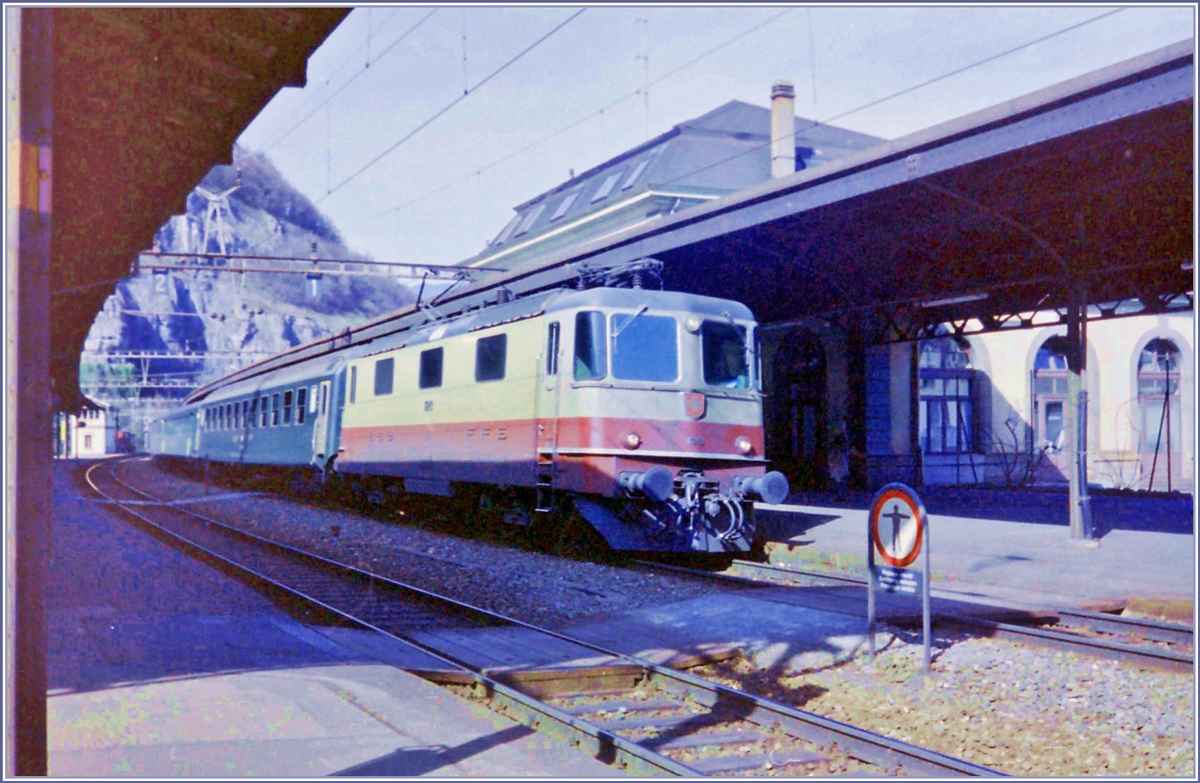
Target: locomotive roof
[493,315]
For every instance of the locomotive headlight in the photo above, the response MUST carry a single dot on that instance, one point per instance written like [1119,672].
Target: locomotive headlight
[631,440]
[743,445]
[692,324]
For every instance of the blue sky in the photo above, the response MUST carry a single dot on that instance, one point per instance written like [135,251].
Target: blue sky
[438,196]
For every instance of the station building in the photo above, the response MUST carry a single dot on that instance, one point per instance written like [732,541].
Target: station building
[981,409]
[90,433]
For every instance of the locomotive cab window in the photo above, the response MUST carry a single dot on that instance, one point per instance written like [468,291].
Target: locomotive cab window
[591,354]
[384,374]
[490,355]
[644,347]
[431,369]
[725,360]
[552,349]
[301,404]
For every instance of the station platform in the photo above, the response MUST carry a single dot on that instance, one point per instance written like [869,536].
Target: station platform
[159,666]
[1012,545]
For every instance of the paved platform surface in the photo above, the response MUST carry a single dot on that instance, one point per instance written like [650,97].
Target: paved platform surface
[159,666]
[1011,545]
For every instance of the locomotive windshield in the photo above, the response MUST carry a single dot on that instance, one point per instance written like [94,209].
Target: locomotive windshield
[644,347]
[724,347]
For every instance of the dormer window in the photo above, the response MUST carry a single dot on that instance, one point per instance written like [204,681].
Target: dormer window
[606,188]
[633,175]
[565,205]
[507,230]
[530,220]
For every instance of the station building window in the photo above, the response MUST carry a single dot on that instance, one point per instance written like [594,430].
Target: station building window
[947,420]
[1158,397]
[1050,370]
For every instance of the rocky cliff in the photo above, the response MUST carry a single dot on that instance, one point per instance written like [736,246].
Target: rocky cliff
[197,324]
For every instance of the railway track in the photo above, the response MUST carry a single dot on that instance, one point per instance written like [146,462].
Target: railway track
[1151,643]
[632,713]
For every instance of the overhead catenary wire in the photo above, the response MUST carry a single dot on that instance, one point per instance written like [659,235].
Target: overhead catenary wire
[580,121]
[350,81]
[451,105]
[897,94]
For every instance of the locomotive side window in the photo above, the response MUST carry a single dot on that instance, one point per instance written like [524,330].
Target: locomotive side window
[274,410]
[490,355]
[552,349]
[591,355]
[265,408]
[301,404]
[725,360]
[431,369]
[644,347]
[384,373]
[353,384]
[287,407]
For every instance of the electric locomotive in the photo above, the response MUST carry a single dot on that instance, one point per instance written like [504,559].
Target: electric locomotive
[639,410]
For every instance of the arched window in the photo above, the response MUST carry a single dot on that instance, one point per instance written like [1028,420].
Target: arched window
[1050,369]
[1158,398]
[947,421]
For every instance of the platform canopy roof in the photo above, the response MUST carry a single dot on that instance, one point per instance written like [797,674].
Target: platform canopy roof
[145,102]
[1083,188]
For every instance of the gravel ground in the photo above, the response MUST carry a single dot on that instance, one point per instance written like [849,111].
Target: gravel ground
[526,585]
[1023,710]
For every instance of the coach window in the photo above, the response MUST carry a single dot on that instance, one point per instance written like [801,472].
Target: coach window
[312,399]
[274,410]
[644,347]
[287,406]
[220,417]
[552,349]
[591,355]
[254,412]
[384,371]
[245,414]
[301,404]
[431,369]
[490,355]
[265,409]
[353,384]
[237,416]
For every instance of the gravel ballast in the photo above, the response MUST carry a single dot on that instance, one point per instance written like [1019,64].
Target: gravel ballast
[1022,710]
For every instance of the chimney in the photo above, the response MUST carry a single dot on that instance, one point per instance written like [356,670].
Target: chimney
[783,129]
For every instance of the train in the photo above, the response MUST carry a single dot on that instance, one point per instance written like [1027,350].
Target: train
[636,410]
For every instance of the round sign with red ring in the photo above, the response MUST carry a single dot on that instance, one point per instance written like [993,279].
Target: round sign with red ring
[906,531]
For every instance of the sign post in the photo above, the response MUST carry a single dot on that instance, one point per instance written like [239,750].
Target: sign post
[897,532]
